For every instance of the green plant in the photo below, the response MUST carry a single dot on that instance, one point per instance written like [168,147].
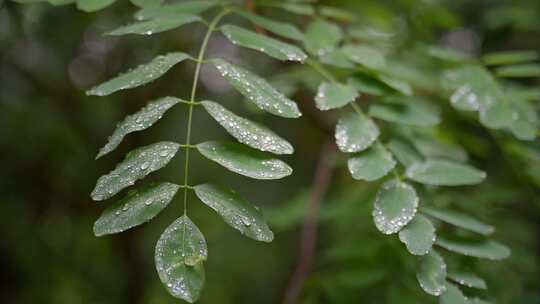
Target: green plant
[341,66]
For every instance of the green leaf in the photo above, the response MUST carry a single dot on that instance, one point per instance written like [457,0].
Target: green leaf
[336,13]
[355,133]
[179,256]
[525,124]
[405,153]
[431,273]
[138,121]
[432,147]
[265,44]
[369,85]
[141,75]
[283,29]
[136,165]
[235,211]
[453,295]
[138,207]
[169,10]
[468,279]
[93,5]
[371,164]
[444,173]
[412,111]
[395,206]
[334,95]
[509,57]
[257,90]
[461,220]
[448,54]
[296,8]
[248,132]
[486,250]
[155,26]
[366,56]
[419,235]
[497,115]
[397,84]
[517,71]
[146,3]
[337,58]
[473,88]
[322,37]
[243,160]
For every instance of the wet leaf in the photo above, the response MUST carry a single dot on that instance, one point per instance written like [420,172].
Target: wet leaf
[453,295]
[486,250]
[525,124]
[155,26]
[248,132]
[322,37]
[93,5]
[279,28]
[405,153]
[419,235]
[431,273]
[355,133]
[366,56]
[468,279]
[138,121]
[497,115]
[272,47]
[179,256]
[412,111]
[444,173]
[136,165]
[257,90]
[141,75]
[461,220]
[138,207]
[170,10]
[235,211]
[243,160]
[395,206]
[334,95]
[371,164]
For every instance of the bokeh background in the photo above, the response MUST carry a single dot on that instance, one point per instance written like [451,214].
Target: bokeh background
[50,133]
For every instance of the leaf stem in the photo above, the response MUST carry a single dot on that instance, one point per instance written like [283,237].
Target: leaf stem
[200,59]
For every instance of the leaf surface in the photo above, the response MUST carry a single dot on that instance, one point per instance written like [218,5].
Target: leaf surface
[366,56]
[169,10]
[468,279]
[459,219]
[489,249]
[444,173]
[431,273]
[279,28]
[355,133]
[322,37]
[154,26]
[90,6]
[395,206]
[453,295]
[334,95]
[371,164]
[411,111]
[419,235]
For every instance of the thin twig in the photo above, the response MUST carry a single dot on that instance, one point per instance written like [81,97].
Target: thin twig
[323,174]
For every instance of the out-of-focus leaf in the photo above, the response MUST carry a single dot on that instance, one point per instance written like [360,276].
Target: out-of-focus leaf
[444,173]
[334,95]
[138,207]
[516,71]
[497,115]
[461,220]
[283,29]
[525,124]
[369,85]
[336,13]
[355,133]
[467,279]
[141,75]
[235,211]
[248,132]
[419,235]
[146,3]
[243,160]
[452,295]
[395,206]
[371,164]
[405,153]
[397,84]
[448,54]
[136,165]
[337,58]
[431,147]
[93,5]
[322,37]
[179,256]
[170,10]
[431,273]
[509,57]
[257,90]
[412,111]
[141,120]
[486,250]
[272,47]
[297,8]
[366,56]
[154,26]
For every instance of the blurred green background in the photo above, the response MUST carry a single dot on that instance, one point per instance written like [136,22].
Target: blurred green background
[50,133]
